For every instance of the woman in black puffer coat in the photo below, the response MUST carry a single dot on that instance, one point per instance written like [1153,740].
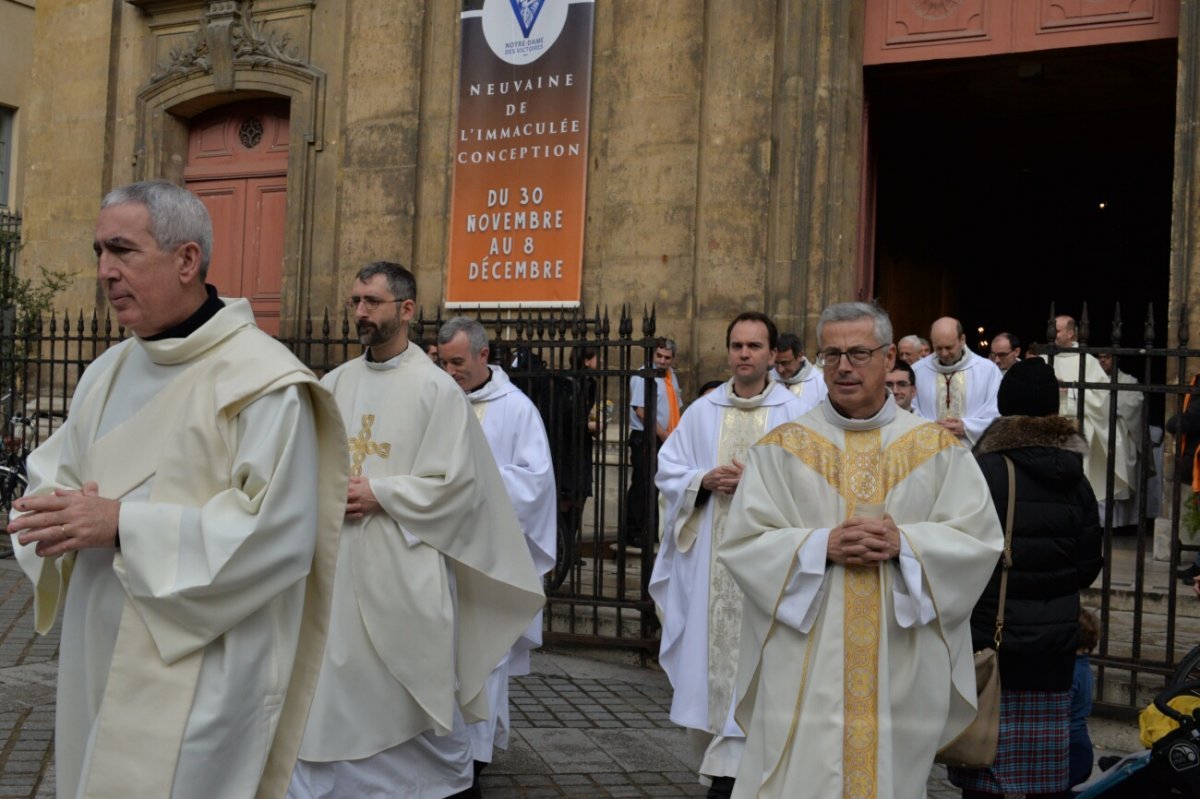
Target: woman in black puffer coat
[1055,553]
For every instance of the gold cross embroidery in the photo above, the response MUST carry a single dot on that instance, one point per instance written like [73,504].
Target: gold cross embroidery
[361,446]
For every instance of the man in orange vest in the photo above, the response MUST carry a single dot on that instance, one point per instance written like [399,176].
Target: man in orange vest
[1185,426]
[667,411]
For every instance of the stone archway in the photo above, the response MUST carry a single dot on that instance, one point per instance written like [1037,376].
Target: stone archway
[231,59]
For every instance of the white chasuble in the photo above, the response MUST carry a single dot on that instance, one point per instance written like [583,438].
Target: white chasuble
[697,600]
[431,590]
[857,705]
[517,438]
[228,460]
[1095,425]
[965,390]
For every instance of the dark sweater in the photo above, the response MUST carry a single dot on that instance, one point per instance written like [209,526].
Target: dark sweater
[1055,544]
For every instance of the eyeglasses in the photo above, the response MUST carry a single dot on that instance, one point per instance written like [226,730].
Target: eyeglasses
[998,355]
[370,302]
[858,356]
[897,383]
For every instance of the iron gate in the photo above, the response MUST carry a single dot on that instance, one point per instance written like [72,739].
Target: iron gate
[599,593]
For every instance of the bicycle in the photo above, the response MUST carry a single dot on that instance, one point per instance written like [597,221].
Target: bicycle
[13,476]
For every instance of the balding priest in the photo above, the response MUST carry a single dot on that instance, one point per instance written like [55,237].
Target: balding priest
[955,387]
[185,520]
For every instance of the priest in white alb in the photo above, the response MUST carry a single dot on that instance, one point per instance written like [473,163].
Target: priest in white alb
[861,537]
[699,470]
[797,373]
[955,387]
[517,438]
[1095,402]
[434,581]
[184,520]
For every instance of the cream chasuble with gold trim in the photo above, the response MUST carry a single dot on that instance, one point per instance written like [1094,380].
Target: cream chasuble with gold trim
[698,602]
[896,690]
[229,462]
[433,589]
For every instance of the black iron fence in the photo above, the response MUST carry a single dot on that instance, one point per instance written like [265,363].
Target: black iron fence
[598,592]
[1149,618]
[574,366]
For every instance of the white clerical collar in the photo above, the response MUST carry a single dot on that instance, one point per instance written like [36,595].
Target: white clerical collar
[963,361]
[801,375]
[408,353]
[494,387]
[233,317]
[883,416]
[745,403]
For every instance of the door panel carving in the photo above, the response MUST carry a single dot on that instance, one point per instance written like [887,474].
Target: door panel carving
[917,30]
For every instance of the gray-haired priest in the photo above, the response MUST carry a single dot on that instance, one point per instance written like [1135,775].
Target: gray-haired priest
[861,538]
[185,517]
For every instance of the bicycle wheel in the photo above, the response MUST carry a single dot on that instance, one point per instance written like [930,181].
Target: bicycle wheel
[1187,671]
[565,556]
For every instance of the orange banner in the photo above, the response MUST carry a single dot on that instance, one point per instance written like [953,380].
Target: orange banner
[520,161]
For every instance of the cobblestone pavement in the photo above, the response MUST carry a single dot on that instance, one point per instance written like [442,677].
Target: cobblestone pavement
[582,726]
[589,728]
[28,670]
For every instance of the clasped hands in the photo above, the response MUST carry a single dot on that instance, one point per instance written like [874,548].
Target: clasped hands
[723,479]
[66,520]
[859,541]
[954,425]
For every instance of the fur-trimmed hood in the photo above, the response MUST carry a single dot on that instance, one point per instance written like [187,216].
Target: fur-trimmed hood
[1046,448]
[1019,432]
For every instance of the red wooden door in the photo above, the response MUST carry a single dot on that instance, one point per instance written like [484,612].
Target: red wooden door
[237,166]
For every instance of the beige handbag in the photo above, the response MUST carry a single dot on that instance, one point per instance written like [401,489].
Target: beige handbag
[975,747]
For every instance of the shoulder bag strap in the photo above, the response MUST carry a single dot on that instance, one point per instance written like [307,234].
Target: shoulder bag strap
[1007,556]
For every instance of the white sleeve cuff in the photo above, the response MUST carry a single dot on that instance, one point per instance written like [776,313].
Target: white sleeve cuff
[806,586]
[912,602]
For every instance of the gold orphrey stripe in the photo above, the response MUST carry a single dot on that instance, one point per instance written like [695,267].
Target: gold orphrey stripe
[860,631]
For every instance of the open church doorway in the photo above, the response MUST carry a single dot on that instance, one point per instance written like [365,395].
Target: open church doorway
[1003,183]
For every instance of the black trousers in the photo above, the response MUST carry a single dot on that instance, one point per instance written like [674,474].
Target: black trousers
[641,488]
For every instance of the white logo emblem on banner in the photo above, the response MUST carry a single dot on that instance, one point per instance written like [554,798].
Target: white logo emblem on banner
[520,31]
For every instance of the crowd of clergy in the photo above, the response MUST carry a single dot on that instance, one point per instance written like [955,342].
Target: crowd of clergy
[276,586]
[768,630]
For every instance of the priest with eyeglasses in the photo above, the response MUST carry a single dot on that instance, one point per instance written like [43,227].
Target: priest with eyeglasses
[861,538]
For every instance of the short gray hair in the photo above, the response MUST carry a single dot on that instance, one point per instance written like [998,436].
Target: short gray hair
[176,215]
[911,338]
[852,312]
[400,281]
[476,335]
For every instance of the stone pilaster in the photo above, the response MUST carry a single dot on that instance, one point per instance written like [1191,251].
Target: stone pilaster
[1185,226]
[813,215]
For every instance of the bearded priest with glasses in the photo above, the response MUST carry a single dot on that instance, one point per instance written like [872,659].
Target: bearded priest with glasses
[861,538]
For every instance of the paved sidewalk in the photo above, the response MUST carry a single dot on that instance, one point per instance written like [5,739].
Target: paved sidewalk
[582,726]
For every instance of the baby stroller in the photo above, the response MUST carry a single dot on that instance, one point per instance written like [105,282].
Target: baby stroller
[1170,768]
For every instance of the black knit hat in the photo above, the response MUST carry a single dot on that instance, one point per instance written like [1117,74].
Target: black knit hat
[1029,388]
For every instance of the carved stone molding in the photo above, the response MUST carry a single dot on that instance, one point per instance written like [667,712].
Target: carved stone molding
[228,38]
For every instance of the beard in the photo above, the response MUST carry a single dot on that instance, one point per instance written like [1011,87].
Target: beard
[372,335]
